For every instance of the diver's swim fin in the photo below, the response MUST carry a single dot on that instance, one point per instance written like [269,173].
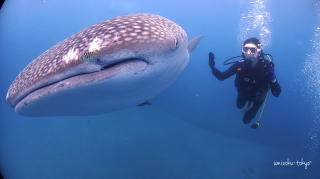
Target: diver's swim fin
[248,116]
[255,125]
[144,103]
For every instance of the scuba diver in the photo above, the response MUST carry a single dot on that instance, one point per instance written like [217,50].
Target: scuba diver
[254,76]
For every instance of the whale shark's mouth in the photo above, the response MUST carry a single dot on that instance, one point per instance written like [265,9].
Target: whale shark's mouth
[123,61]
[106,72]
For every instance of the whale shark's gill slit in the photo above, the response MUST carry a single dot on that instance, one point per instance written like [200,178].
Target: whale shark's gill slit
[118,62]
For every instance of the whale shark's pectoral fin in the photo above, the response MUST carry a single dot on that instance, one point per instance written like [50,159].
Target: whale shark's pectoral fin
[145,103]
[193,43]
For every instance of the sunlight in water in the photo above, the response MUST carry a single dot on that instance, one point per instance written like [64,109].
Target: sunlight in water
[255,22]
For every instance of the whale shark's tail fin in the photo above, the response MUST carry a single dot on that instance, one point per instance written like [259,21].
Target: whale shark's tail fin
[193,43]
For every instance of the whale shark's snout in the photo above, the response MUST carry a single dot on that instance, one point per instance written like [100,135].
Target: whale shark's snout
[117,63]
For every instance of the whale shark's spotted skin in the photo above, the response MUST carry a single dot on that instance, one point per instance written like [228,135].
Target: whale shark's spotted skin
[125,32]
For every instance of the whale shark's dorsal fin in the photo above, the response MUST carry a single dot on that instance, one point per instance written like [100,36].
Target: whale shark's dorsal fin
[193,43]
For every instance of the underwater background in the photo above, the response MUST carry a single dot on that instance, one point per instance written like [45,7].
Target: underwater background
[193,129]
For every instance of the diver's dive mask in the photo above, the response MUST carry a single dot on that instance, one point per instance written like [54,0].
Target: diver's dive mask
[251,51]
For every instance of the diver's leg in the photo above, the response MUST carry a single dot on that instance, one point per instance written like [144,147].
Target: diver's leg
[257,101]
[241,99]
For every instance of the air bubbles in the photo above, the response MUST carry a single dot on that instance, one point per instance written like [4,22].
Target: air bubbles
[311,78]
[255,23]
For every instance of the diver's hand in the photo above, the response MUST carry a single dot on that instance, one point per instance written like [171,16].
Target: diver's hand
[269,70]
[211,60]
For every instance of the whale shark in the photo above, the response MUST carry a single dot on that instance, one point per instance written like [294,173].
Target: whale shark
[117,63]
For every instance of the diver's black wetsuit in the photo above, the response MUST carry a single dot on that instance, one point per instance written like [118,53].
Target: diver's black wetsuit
[252,83]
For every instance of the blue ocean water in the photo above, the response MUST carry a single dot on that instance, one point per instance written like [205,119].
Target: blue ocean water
[193,129]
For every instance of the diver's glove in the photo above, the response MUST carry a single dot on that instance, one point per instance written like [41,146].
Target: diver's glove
[274,85]
[211,60]
[269,71]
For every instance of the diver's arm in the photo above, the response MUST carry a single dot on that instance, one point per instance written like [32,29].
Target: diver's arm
[224,75]
[274,84]
[218,74]
[275,88]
